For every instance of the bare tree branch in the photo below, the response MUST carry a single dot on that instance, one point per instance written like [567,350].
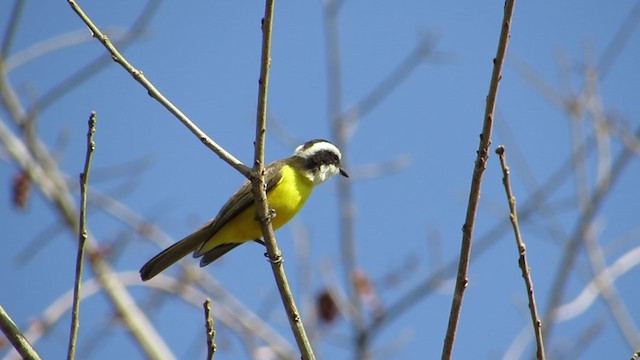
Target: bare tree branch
[211,334]
[522,250]
[260,195]
[476,182]
[82,223]
[154,93]
[88,71]
[12,25]
[50,182]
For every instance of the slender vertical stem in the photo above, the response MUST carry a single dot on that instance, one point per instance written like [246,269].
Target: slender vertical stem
[84,180]
[211,333]
[522,251]
[476,182]
[259,191]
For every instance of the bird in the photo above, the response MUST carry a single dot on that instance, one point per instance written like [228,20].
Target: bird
[289,184]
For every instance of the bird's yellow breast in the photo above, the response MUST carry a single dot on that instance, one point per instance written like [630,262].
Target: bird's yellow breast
[286,197]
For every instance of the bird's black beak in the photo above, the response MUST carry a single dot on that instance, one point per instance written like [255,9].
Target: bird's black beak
[343,173]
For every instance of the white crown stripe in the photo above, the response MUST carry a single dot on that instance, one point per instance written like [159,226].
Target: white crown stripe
[317,147]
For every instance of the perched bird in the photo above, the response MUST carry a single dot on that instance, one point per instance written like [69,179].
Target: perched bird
[289,184]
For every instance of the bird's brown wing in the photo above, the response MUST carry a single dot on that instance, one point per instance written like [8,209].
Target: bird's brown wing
[243,198]
[240,201]
[231,209]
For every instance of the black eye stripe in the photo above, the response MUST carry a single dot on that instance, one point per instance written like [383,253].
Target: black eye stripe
[322,157]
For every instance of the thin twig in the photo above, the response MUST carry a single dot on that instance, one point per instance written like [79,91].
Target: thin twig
[522,250]
[525,173]
[50,182]
[84,180]
[476,181]
[259,191]
[154,93]
[44,173]
[211,334]
[10,31]
[13,334]
[427,286]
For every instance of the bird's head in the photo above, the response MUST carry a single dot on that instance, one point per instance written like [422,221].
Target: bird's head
[320,160]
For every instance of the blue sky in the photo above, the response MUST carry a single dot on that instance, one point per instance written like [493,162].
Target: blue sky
[204,56]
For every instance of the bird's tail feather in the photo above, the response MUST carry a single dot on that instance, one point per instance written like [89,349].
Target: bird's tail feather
[175,252]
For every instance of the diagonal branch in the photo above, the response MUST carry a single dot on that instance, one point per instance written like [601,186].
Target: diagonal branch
[411,61]
[476,181]
[17,339]
[154,93]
